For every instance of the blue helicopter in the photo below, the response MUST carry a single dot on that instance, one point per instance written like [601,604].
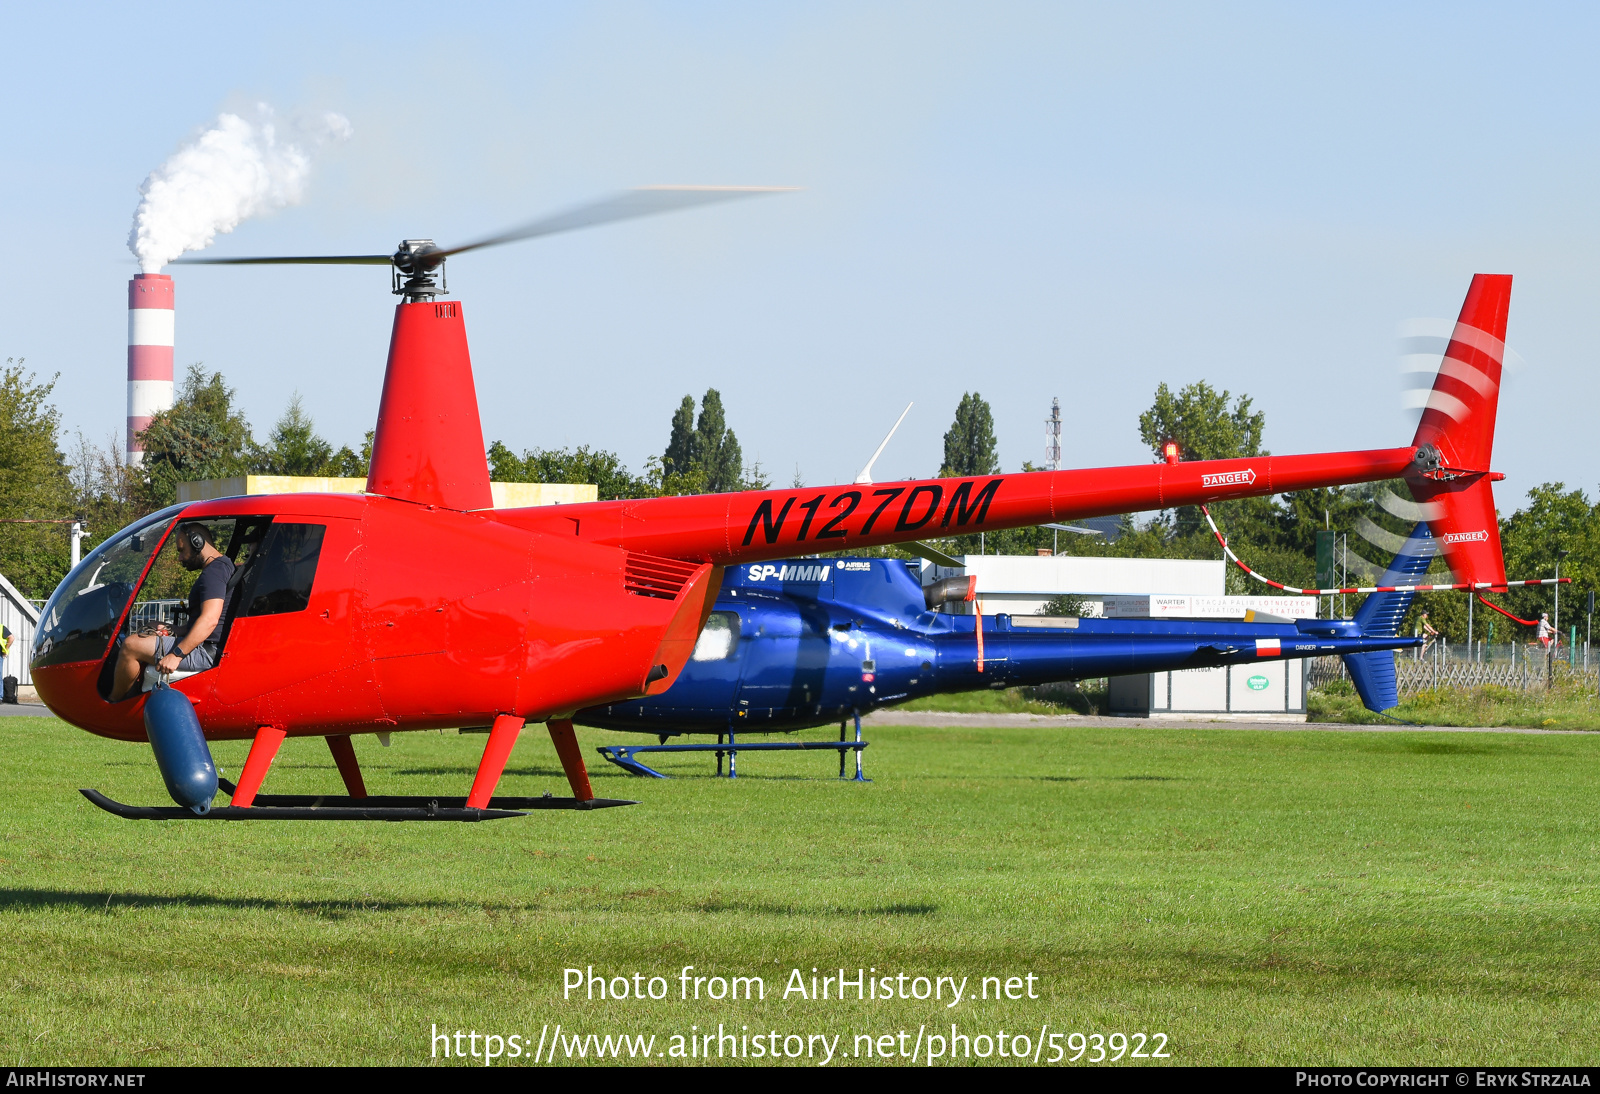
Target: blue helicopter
[813,641]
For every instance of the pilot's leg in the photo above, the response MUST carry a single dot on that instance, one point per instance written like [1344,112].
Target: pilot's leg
[138,650]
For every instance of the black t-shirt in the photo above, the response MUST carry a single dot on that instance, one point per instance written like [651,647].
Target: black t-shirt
[212,584]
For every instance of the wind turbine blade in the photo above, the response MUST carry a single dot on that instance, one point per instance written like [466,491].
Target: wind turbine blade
[865,478]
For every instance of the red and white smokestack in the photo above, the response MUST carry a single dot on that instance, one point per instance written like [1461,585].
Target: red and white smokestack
[150,331]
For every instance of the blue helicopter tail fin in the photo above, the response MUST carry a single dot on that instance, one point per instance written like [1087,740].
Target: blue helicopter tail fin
[1379,617]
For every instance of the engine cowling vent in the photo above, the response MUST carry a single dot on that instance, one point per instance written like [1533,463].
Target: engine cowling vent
[661,578]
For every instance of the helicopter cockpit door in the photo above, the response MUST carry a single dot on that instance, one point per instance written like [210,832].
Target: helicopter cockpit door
[784,672]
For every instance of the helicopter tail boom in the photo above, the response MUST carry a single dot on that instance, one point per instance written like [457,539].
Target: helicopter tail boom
[755,526]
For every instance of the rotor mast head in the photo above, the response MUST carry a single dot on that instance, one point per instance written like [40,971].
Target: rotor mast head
[412,268]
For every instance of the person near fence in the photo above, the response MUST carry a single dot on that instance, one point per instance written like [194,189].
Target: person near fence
[1546,632]
[1428,634]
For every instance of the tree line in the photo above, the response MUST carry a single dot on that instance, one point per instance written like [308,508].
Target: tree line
[45,476]
[1277,535]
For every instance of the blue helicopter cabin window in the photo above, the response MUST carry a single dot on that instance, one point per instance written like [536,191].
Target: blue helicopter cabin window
[284,569]
[719,638]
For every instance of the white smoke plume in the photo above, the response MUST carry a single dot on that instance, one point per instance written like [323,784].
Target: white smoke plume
[238,168]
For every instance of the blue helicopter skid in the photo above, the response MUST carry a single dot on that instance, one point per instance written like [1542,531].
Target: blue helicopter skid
[623,755]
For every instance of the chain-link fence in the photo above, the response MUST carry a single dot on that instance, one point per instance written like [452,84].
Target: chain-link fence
[1458,666]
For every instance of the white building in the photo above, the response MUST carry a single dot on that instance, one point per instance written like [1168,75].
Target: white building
[23,619]
[1020,584]
[1150,588]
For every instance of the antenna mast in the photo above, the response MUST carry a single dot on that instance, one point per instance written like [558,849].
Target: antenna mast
[1052,437]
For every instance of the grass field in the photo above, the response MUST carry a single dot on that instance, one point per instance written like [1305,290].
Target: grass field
[1565,706]
[1568,705]
[1258,897]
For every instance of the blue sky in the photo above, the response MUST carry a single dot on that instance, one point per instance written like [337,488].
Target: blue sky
[1029,201]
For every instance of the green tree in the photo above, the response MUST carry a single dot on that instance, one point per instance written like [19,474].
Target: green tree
[1202,423]
[716,448]
[572,465]
[703,456]
[969,446]
[680,457]
[294,448]
[346,464]
[1556,519]
[34,483]
[108,494]
[1205,427]
[203,436]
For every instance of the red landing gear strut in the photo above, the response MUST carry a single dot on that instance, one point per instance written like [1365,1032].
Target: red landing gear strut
[481,804]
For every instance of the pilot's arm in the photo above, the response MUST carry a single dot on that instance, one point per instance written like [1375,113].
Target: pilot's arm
[198,632]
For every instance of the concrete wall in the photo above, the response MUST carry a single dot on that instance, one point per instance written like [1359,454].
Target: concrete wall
[1270,689]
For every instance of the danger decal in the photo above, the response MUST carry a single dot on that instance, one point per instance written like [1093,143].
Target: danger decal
[1229,478]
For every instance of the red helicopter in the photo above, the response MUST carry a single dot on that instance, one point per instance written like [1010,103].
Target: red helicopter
[341,619]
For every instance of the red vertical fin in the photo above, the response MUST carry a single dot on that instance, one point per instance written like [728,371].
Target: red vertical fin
[1458,420]
[428,447]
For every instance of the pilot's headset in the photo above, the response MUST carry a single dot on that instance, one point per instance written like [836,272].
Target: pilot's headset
[195,536]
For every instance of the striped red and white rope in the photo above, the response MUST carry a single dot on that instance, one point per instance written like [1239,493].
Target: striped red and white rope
[1463,585]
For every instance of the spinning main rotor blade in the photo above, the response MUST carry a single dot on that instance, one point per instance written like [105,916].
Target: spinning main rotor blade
[628,205]
[643,202]
[314,260]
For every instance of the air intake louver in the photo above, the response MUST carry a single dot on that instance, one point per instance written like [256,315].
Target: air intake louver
[662,578]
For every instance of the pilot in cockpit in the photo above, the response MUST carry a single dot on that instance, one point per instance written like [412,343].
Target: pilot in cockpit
[196,648]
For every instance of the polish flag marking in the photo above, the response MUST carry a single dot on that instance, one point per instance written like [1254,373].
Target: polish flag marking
[1269,647]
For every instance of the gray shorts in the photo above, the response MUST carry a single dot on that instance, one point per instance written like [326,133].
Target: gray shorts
[194,661]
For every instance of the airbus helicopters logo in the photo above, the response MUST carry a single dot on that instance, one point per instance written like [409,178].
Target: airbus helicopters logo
[1229,478]
[790,573]
[1479,536]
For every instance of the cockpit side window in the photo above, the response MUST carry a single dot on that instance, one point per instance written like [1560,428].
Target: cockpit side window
[719,638]
[284,569]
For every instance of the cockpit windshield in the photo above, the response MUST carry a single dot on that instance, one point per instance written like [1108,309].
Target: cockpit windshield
[77,622]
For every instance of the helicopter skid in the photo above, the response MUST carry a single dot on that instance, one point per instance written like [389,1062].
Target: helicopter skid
[544,801]
[623,755]
[318,807]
